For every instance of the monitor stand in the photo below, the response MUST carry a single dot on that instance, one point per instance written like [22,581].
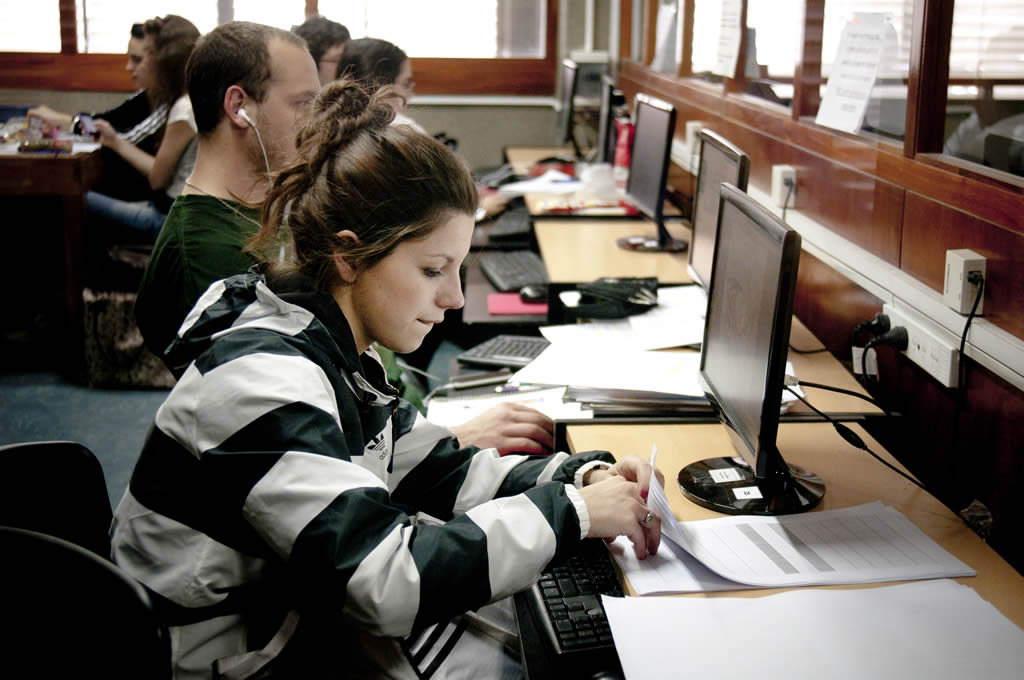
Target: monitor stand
[662,242]
[728,485]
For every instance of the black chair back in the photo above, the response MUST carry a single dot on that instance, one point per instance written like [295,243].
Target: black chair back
[70,613]
[56,488]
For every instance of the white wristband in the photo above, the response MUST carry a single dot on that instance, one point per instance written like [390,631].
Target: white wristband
[581,509]
[577,479]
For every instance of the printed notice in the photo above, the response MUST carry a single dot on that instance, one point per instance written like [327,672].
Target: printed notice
[728,39]
[853,73]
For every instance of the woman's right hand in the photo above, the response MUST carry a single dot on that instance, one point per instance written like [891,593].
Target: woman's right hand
[616,509]
[51,118]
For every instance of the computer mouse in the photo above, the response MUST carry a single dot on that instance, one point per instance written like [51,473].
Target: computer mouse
[534,292]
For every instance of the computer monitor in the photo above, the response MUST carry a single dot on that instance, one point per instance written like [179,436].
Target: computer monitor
[611,99]
[743,363]
[720,162]
[566,122]
[654,127]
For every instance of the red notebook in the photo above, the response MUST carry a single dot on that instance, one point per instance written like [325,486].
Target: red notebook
[511,303]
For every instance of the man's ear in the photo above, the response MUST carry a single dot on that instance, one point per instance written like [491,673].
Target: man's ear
[234,99]
[346,270]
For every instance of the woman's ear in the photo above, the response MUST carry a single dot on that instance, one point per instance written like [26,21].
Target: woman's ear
[346,271]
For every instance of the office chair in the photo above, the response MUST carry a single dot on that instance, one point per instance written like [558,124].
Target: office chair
[56,488]
[69,613]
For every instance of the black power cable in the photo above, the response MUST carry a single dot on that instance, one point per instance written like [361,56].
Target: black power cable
[789,192]
[978,279]
[871,400]
[854,440]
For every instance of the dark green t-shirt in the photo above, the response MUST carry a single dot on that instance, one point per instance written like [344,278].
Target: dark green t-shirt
[201,242]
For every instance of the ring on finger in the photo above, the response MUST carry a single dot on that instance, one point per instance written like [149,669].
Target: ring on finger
[647,518]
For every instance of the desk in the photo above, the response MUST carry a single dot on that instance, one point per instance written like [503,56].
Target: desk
[852,477]
[68,177]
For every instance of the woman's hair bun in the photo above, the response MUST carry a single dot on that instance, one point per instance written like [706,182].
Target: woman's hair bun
[342,110]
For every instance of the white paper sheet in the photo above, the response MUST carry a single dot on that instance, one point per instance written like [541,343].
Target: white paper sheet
[586,366]
[551,182]
[450,411]
[861,544]
[939,630]
[853,73]
[728,39]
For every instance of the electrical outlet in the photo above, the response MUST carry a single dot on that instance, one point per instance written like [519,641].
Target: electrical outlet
[692,141]
[780,192]
[929,346]
[957,290]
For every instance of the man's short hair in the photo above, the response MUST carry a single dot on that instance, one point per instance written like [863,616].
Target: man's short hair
[235,53]
[321,34]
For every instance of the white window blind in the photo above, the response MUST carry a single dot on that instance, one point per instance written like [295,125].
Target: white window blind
[988,39]
[481,29]
[31,26]
[104,25]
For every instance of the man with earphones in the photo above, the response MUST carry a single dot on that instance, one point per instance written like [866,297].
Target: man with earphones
[251,87]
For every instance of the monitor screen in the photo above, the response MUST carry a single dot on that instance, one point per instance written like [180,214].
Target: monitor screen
[654,125]
[743,363]
[611,100]
[720,162]
[566,133]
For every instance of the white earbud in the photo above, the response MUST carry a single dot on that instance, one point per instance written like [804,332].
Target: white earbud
[245,116]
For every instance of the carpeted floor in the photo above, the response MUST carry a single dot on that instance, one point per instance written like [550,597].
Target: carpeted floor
[37,406]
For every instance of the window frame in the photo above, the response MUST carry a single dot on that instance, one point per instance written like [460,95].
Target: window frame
[69,70]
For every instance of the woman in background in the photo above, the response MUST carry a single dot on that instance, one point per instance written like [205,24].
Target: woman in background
[375,63]
[166,45]
[326,41]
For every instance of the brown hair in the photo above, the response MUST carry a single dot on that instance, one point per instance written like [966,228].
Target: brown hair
[235,53]
[321,34]
[385,183]
[372,62]
[173,39]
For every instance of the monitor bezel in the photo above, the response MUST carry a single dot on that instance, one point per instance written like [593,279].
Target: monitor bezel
[742,162]
[567,133]
[762,454]
[611,97]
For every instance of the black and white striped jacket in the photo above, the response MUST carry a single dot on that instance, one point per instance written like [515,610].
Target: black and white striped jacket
[272,507]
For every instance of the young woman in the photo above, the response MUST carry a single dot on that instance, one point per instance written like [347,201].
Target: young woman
[283,506]
[166,45]
[376,63]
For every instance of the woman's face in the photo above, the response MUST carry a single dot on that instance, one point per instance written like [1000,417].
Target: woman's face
[399,299]
[142,62]
[404,84]
[328,67]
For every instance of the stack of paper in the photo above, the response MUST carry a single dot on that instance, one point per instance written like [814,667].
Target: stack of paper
[939,630]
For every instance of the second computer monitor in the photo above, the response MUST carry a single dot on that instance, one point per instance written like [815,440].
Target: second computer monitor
[743,364]
[611,99]
[566,121]
[654,127]
[720,162]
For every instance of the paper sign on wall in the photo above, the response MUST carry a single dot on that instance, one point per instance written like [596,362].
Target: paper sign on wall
[853,73]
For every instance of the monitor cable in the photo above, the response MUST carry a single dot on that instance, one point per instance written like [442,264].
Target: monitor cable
[978,279]
[791,186]
[807,351]
[854,440]
[795,382]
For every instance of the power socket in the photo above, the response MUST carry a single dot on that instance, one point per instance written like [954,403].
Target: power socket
[692,141]
[957,290]
[928,345]
[781,173]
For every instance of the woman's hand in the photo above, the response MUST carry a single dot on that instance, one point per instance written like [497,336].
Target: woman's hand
[616,509]
[50,118]
[107,135]
[510,428]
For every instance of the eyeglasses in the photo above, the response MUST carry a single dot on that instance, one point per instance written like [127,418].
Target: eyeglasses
[407,85]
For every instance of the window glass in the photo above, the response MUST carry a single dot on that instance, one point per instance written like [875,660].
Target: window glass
[104,25]
[282,14]
[44,18]
[985,97]
[887,109]
[774,32]
[481,29]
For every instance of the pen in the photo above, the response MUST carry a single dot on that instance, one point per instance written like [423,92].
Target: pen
[509,389]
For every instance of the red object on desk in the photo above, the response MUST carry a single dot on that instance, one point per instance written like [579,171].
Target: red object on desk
[511,303]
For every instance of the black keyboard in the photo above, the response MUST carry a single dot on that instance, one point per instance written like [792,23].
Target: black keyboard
[510,270]
[514,351]
[566,600]
[511,225]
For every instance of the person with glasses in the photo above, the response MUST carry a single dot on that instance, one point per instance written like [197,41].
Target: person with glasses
[326,41]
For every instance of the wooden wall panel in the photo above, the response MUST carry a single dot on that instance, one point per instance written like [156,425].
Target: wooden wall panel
[930,228]
[831,305]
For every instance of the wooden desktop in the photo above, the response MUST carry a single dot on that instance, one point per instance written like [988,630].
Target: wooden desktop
[852,477]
